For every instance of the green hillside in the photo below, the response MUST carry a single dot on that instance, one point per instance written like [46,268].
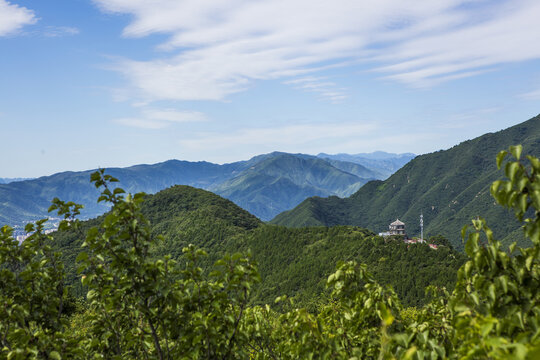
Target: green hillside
[281,182]
[183,215]
[297,262]
[294,262]
[449,187]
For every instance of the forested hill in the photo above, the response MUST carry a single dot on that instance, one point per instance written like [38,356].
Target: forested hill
[293,262]
[183,215]
[449,187]
[297,262]
[264,185]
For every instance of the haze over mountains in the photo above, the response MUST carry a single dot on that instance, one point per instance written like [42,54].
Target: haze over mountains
[265,185]
[382,162]
[449,187]
[10,180]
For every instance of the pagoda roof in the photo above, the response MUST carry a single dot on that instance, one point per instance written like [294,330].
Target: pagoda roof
[397,222]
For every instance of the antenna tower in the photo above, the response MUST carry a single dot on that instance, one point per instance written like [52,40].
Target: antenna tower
[421,226]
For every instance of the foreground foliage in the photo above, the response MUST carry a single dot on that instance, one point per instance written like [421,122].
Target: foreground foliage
[141,307]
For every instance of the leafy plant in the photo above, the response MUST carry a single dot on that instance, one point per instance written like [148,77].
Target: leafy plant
[33,299]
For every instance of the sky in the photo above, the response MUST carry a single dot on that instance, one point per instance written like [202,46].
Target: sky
[102,83]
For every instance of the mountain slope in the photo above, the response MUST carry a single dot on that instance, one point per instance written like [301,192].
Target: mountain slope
[282,181]
[449,187]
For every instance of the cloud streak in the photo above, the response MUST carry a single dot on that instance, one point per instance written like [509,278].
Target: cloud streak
[218,48]
[13,17]
[285,137]
[159,118]
[58,31]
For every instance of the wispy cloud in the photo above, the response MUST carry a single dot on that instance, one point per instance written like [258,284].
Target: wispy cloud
[159,118]
[287,138]
[505,35]
[326,89]
[463,120]
[531,95]
[217,48]
[13,17]
[57,31]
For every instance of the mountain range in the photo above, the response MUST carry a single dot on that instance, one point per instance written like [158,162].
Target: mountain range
[448,187]
[265,185]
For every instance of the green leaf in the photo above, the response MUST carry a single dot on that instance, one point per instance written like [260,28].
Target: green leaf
[386,315]
[410,353]
[516,151]
[512,169]
[523,204]
[500,158]
[464,231]
[486,328]
[535,162]
[55,355]
[82,257]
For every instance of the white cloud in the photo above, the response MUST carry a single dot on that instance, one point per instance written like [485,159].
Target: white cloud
[13,17]
[159,118]
[217,48]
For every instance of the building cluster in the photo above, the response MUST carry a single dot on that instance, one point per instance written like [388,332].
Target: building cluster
[398,228]
[21,237]
[395,228]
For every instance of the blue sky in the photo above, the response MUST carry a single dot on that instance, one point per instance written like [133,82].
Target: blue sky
[101,83]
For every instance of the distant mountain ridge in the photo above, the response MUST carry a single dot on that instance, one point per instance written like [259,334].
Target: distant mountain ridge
[381,162]
[265,185]
[449,187]
[10,180]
